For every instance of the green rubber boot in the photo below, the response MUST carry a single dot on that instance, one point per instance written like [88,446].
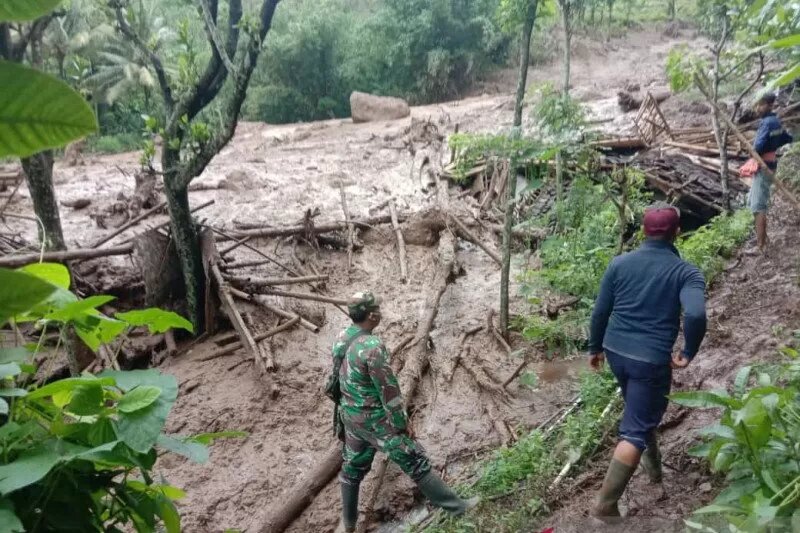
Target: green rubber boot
[651,460]
[349,506]
[443,496]
[617,478]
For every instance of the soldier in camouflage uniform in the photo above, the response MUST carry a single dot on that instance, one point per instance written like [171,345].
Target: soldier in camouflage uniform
[373,416]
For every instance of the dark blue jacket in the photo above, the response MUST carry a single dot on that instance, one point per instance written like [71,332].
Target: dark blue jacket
[770,136]
[637,313]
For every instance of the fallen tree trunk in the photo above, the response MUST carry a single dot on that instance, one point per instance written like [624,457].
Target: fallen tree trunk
[468,235]
[288,231]
[269,282]
[129,224]
[401,243]
[306,296]
[254,299]
[13,261]
[304,491]
[230,348]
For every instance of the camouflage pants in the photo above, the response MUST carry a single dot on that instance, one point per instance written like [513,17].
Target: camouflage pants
[360,445]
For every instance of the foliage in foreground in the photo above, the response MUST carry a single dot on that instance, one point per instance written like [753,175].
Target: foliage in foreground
[78,454]
[756,446]
[710,246]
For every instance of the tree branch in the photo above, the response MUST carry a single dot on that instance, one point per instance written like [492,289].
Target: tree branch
[246,64]
[215,39]
[155,61]
[214,76]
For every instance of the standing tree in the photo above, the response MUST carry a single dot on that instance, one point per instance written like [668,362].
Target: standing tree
[529,8]
[20,41]
[671,12]
[189,144]
[567,8]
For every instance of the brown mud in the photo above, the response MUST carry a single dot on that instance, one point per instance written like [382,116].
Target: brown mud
[273,174]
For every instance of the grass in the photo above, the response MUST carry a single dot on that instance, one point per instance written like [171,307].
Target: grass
[710,246]
[115,144]
[513,483]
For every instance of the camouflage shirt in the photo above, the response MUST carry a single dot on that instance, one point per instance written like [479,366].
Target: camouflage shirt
[370,392]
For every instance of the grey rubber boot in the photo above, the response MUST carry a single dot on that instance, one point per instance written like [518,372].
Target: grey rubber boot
[651,460]
[349,506]
[443,496]
[617,478]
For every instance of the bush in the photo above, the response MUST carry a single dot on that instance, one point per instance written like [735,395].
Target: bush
[711,245]
[77,454]
[115,144]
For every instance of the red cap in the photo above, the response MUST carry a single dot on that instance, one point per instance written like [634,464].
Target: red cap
[661,221]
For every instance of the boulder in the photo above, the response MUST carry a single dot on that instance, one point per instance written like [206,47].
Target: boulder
[369,108]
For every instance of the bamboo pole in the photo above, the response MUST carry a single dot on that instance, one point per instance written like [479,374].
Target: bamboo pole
[310,326]
[231,348]
[467,234]
[305,296]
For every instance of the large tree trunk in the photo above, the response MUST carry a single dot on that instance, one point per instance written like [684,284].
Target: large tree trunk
[671,9]
[187,245]
[524,60]
[39,172]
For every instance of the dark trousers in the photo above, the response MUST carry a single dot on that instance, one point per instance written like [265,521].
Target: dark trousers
[645,387]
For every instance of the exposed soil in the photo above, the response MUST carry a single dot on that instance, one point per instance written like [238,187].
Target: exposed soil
[274,174]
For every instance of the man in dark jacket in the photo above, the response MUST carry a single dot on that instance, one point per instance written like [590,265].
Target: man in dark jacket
[770,136]
[634,326]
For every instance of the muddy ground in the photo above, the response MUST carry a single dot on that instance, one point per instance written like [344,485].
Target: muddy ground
[273,174]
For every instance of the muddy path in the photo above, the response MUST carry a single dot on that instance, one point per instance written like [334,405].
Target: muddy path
[753,309]
[273,174]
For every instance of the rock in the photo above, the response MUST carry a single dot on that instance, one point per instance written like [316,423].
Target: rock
[705,487]
[368,107]
[78,203]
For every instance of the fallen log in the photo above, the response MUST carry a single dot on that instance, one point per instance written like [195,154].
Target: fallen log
[261,302]
[467,234]
[699,149]
[231,348]
[268,282]
[620,143]
[288,231]
[303,492]
[244,264]
[305,296]
[80,254]
[211,260]
[401,243]
[132,222]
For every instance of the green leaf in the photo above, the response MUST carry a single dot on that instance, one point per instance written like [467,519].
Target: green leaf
[29,468]
[25,10]
[53,273]
[38,112]
[194,451]
[755,419]
[79,309]
[173,493]
[9,370]
[19,292]
[156,320]
[96,330]
[740,382]
[13,393]
[717,430]
[169,514]
[787,77]
[87,399]
[67,385]
[140,429]
[701,399]
[9,522]
[13,355]
[138,398]
[209,438]
[737,489]
[786,42]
